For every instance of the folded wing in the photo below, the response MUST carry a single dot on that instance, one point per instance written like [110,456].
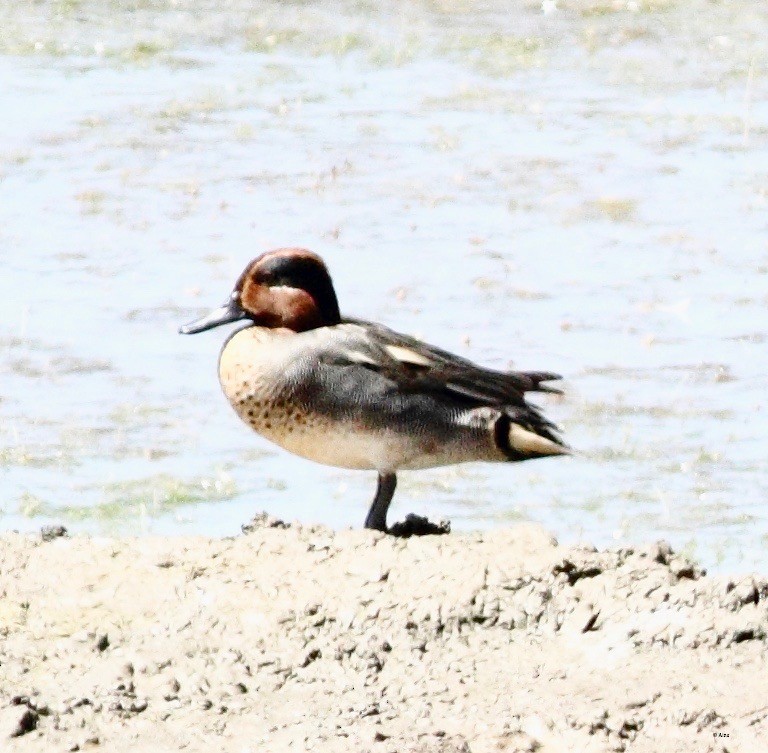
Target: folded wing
[413,366]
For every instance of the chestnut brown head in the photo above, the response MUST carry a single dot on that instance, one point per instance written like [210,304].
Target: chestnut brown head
[288,287]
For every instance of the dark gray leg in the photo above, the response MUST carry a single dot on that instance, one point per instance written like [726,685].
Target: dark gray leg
[377,515]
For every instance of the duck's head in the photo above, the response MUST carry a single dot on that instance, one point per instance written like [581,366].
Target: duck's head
[288,287]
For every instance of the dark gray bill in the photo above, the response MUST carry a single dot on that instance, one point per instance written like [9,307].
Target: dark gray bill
[229,312]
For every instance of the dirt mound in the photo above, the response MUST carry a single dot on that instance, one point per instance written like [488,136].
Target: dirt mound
[309,639]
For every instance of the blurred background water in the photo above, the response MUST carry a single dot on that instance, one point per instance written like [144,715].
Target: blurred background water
[577,186]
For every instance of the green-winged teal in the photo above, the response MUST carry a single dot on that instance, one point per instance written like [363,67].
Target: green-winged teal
[354,394]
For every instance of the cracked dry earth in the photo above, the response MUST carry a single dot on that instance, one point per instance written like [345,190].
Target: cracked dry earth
[301,638]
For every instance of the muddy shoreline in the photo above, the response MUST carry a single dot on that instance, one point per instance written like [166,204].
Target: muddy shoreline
[309,639]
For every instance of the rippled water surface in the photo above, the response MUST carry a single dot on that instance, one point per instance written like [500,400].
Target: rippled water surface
[583,190]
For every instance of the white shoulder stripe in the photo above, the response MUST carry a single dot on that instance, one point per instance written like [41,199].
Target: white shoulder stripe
[357,356]
[406,355]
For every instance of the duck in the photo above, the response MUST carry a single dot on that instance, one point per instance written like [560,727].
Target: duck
[355,394]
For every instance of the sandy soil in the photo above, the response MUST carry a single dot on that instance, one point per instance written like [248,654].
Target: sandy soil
[302,638]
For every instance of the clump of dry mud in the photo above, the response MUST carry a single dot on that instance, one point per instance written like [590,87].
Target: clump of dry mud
[303,638]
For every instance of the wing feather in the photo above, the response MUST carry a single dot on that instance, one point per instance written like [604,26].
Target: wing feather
[416,366]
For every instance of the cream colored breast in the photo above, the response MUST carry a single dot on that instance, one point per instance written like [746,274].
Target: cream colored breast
[252,366]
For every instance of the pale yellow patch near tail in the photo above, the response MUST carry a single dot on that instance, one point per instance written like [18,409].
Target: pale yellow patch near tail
[530,443]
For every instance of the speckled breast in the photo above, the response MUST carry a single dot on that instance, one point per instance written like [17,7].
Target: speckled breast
[252,368]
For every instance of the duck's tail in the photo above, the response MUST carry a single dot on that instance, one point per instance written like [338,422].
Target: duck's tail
[535,379]
[524,434]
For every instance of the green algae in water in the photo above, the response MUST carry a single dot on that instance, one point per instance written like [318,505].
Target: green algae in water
[151,497]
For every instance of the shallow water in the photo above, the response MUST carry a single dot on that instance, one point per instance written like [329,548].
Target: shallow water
[582,191]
